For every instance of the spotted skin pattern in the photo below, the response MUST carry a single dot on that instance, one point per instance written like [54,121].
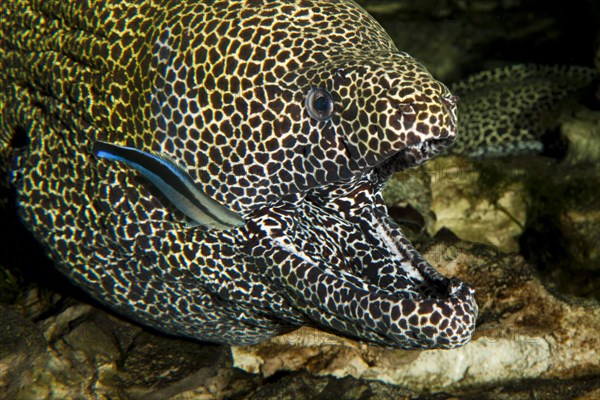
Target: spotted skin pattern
[507,110]
[219,87]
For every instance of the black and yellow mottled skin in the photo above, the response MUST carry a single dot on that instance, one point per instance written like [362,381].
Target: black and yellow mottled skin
[507,110]
[220,87]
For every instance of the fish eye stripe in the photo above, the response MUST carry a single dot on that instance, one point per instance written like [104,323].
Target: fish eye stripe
[175,183]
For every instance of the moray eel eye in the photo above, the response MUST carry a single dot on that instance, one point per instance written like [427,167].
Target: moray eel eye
[319,104]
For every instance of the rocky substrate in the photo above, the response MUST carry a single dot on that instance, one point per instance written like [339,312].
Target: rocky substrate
[524,333]
[529,340]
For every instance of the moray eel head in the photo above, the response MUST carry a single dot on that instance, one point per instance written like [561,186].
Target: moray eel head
[301,145]
[294,119]
[339,256]
[383,106]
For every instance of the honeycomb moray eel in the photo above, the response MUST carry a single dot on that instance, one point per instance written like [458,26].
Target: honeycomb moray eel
[214,169]
[507,110]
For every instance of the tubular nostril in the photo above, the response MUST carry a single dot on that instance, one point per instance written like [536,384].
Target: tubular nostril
[406,108]
[450,100]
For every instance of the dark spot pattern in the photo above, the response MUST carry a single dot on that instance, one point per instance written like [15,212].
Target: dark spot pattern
[220,88]
[506,111]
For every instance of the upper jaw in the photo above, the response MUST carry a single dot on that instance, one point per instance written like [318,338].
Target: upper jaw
[412,156]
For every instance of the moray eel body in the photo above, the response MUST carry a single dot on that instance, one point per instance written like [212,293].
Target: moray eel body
[507,110]
[121,119]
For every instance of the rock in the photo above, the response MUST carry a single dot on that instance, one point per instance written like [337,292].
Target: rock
[582,132]
[302,385]
[80,357]
[408,196]
[21,345]
[582,231]
[524,332]
[547,209]
[155,366]
[82,352]
[306,386]
[462,204]
[562,231]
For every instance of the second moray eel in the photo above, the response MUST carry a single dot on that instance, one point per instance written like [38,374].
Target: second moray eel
[507,110]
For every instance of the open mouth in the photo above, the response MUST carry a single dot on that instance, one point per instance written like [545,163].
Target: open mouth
[412,156]
[347,266]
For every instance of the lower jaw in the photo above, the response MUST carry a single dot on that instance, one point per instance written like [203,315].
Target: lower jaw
[409,306]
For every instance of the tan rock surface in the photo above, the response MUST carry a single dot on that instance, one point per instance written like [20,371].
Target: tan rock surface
[471,214]
[524,332]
